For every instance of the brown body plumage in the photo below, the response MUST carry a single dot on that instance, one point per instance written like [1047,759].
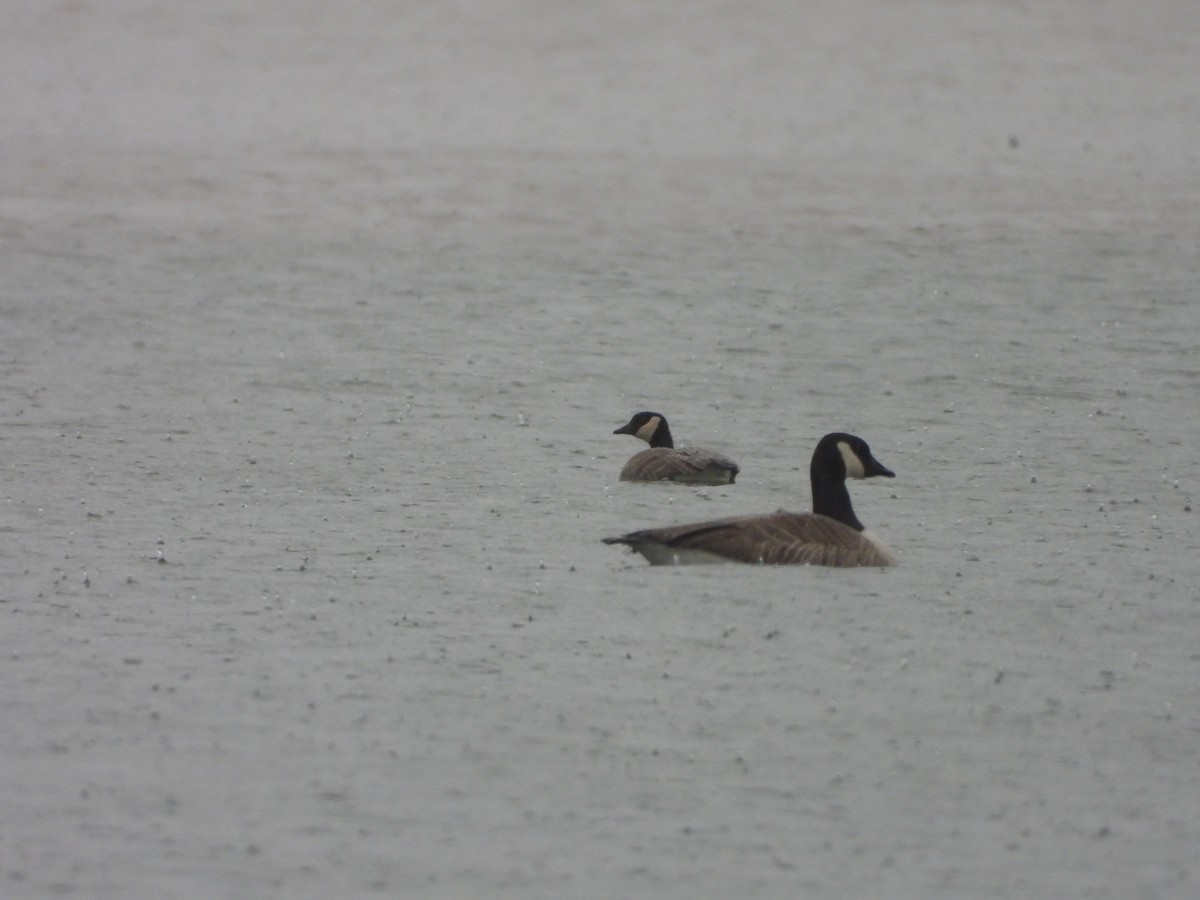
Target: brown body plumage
[684,465]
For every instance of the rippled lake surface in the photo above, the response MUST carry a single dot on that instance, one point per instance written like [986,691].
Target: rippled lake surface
[311,363]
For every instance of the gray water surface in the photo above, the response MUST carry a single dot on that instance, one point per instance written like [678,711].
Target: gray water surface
[317,320]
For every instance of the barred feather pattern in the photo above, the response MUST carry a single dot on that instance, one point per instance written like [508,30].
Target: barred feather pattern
[684,465]
[781,538]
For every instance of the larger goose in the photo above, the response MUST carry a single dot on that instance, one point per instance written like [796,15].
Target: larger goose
[663,462]
[830,535]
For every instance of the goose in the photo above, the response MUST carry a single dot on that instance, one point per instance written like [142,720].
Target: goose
[830,535]
[663,462]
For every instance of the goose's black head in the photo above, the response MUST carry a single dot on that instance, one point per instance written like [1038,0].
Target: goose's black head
[651,427]
[840,456]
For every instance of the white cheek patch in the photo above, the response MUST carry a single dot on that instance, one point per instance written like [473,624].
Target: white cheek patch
[854,465]
[646,432]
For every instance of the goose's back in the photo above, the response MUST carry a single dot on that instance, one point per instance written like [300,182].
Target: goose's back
[686,465]
[781,538]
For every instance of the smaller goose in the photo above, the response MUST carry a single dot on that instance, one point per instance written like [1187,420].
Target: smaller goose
[830,535]
[662,462]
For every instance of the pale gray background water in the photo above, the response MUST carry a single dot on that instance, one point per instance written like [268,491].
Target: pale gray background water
[333,307]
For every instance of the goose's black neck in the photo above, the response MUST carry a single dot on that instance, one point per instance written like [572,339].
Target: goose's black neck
[662,435]
[833,499]
[830,498]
